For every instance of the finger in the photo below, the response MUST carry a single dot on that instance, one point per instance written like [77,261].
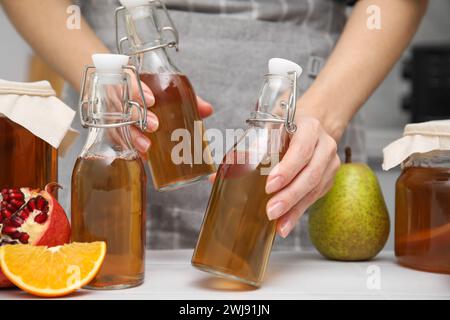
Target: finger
[136,94]
[205,109]
[287,222]
[308,179]
[140,141]
[331,172]
[300,151]
[152,120]
[148,95]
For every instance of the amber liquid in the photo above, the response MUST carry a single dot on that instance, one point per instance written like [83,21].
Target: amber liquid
[176,108]
[25,160]
[422,225]
[236,236]
[108,204]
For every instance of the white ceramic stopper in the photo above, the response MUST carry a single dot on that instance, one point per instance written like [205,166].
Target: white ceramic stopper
[283,67]
[109,63]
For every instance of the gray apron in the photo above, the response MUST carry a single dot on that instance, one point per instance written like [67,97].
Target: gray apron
[224,49]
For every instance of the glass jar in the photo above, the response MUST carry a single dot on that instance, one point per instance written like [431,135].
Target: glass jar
[236,236]
[422,212]
[25,159]
[175,100]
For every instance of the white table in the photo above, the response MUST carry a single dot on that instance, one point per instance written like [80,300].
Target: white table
[295,275]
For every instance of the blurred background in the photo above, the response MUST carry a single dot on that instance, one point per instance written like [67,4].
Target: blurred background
[417,89]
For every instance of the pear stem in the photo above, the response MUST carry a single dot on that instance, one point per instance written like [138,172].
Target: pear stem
[348,155]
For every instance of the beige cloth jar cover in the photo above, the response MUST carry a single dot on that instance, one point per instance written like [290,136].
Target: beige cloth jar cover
[417,138]
[35,107]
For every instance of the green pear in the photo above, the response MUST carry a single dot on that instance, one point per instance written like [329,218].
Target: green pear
[351,221]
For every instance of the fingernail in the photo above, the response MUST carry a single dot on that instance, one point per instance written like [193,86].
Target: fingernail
[152,122]
[285,229]
[275,210]
[274,184]
[143,143]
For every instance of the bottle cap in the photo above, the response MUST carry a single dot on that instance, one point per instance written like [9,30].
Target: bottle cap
[109,63]
[283,67]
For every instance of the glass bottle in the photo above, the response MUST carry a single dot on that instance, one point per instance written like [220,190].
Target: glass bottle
[236,235]
[176,102]
[422,212]
[108,180]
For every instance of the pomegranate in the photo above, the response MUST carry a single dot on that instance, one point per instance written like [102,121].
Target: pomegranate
[31,217]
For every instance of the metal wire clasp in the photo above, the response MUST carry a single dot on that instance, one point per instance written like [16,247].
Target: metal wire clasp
[290,125]
[170,28]
[290,106]
[142,111]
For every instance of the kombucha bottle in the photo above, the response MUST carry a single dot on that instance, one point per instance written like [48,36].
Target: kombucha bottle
[176,103]
[236,236]
[108,180]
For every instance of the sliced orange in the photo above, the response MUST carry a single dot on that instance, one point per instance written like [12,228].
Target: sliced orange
[52,272]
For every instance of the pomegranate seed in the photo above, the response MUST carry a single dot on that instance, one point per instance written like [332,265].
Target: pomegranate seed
[24,238]
[4,203]
[17,195]
[16,235]
[16,221]
[8,230]
[41,218]
[16,203]
[32,204]
[6,214]
[40,203]
[24,214]
[4,191]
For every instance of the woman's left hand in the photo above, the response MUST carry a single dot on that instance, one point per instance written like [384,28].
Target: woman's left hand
[304,175]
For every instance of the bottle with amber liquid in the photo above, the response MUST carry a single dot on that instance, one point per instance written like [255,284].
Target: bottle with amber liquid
[236,235]
[108,180]
[172,165]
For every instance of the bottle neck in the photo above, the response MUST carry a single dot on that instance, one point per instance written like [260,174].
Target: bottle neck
[274,97]
[144,32]
[155,61]
[108,116]
[109,143]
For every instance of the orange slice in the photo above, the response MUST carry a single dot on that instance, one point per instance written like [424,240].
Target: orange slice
[52,272]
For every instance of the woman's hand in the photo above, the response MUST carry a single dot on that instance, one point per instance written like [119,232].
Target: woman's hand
[140,140]
[304,174]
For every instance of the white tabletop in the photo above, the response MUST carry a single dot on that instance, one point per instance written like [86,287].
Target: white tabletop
[294,275]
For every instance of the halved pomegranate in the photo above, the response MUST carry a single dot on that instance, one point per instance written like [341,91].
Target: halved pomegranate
[33,217]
